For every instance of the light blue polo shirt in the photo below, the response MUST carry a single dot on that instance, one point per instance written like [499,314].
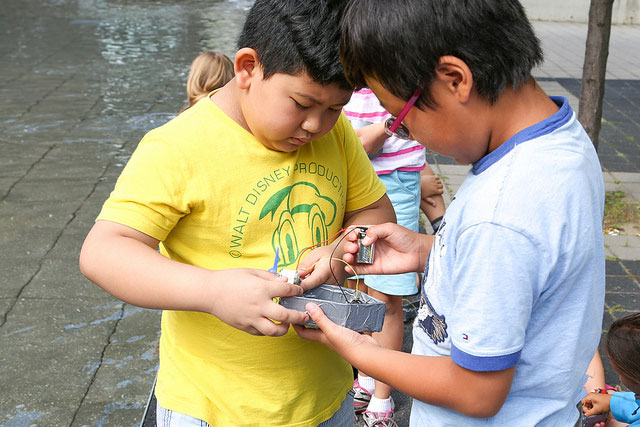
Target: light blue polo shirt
[516,275]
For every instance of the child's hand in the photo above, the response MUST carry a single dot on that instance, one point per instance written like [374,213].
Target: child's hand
[316,268]
[397,250]
[246,301]
[430,185]
[595,403]
[341,340]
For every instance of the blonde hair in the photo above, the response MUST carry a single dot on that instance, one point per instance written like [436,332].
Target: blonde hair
[210,70]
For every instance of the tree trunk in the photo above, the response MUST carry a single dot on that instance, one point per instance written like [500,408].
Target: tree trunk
[595,67]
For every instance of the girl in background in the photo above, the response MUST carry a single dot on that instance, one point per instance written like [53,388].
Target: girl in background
[623,347]
[209,71]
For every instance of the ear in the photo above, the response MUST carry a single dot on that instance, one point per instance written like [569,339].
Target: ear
[456,76]
[246,67]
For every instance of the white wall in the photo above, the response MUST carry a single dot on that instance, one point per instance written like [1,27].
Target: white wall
[624,11]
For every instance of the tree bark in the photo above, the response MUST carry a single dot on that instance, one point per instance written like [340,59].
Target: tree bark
[595,67]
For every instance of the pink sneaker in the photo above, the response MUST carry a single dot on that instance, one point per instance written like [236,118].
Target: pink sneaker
[361,397]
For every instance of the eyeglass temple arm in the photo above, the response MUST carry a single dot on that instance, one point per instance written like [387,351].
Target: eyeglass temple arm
[398,121]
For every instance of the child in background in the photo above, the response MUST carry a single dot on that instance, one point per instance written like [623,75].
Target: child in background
[398,162]
[513,295]
[431,200]
[266,165]
[623,348]
[596,383]
[209,71]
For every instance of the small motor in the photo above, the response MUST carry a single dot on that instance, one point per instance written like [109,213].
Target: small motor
[365,253]
[293,276]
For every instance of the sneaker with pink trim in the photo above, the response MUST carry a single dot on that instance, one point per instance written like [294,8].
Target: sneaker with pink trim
[379,419]
[361,397]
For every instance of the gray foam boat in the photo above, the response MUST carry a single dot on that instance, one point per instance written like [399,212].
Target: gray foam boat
[366,314]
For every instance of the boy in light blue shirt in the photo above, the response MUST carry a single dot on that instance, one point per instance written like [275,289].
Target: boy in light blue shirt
[512,300]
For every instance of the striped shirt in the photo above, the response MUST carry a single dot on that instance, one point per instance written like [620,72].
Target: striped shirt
[397,154]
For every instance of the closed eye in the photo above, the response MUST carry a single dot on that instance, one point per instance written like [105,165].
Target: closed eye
[300,106]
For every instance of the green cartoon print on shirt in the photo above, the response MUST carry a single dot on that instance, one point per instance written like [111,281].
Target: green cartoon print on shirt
[293,219]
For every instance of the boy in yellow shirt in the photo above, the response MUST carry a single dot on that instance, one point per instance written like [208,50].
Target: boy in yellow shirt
[267,163]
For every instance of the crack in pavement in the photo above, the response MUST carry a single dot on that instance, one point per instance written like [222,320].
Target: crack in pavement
[4,317]
[100,363]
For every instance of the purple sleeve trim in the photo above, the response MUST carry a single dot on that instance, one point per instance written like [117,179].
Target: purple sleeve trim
[483,364]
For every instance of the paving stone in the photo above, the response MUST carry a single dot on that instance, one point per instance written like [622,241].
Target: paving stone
[15,160]
[5,304]
[52,355]
[614,268]
[61,278]
[37,214]
[632,266]
[630,253]
[68,245]
[623,241]
[16,273]
[627,178]
[51,190]
[622,284]
[123,381]
[623,301]
[28,243]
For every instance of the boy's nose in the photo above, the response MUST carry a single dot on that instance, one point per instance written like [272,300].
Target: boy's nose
[312,124]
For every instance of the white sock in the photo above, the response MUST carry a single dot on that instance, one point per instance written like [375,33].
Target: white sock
[367,383]
[380,405]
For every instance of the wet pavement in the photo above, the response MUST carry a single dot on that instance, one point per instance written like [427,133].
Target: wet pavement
[80,83]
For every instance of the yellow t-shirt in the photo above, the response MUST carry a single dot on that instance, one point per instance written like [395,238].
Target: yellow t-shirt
[217,198]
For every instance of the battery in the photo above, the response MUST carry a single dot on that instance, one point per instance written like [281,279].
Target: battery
[365,253]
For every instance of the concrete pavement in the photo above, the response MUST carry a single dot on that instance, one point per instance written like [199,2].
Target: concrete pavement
[80,83]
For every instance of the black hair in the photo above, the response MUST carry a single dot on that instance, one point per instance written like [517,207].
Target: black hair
[294,36]
[399,43]
[623,345]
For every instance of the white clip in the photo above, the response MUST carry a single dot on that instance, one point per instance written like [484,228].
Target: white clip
[293,276]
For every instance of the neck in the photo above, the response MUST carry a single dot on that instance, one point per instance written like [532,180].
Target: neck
[228,100]
[517,110]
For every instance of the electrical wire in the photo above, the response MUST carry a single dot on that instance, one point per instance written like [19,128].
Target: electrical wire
[410,303]
[331,257]
[331,269]
[355,297]
[317,244]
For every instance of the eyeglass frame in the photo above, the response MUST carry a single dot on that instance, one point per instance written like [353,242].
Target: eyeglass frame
[393,126]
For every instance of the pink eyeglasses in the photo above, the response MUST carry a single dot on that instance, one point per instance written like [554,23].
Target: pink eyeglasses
[393,126]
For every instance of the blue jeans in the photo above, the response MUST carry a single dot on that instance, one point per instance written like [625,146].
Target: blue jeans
[168,418]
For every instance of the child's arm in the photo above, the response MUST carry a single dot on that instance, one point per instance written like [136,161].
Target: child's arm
[372,137]
[376,213]
[124,262]
[435,380]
